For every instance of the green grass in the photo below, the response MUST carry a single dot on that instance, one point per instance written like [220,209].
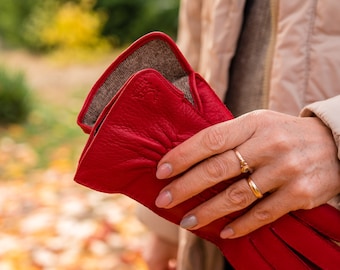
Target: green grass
[50,130]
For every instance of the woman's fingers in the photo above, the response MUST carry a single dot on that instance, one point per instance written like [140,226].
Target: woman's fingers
[206,143]
[293,159]
[213,170]
[207,174]
[272,208]
[236,197]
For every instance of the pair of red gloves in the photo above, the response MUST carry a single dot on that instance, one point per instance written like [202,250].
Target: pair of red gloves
[148,101]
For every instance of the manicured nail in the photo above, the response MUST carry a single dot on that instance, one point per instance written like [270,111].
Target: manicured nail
[188,222]
[164,171]
[227,232]
[163,199]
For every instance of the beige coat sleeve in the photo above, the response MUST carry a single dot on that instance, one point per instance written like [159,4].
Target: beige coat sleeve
[329,112]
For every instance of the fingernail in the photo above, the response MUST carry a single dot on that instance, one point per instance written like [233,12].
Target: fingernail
[164,171]
[188,222]
[227,232]
[163,199]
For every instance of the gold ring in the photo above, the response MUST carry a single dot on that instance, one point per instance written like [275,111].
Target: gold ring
[253,187]
[243,164]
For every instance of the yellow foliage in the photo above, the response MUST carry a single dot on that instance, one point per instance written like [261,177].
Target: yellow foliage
[74,26]
[74,30]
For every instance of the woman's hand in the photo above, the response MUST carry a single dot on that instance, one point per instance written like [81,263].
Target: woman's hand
[293,159]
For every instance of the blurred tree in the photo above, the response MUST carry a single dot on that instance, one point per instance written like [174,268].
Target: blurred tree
[130,19]
[70,30]
[22,21]
[15,101]
[73,26]
[13,15]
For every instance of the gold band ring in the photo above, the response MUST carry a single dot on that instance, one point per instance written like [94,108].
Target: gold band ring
[253,187]
[243,164]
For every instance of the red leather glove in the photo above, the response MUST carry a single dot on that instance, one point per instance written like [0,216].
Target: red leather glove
[148,101]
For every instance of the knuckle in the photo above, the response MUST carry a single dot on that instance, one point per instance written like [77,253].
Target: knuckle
[214,139]
[292,167]
[278,136]
[305,194]
[238,196]
[263,215]
[279,141]
[261,116]
[215,168]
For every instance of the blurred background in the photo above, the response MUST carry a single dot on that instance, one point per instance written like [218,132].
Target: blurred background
[51,53]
